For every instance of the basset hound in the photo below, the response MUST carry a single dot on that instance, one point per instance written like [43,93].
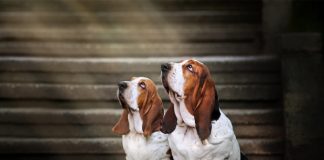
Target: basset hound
[198,128]
[141,120]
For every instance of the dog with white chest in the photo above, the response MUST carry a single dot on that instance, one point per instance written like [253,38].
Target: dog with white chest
[141,120]
[198,128]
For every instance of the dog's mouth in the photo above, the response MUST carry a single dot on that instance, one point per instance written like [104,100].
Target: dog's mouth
[124,103]
[176,94]
[167,86]
[122,100]
[165,81]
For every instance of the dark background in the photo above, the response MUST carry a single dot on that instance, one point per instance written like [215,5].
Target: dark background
[60,61]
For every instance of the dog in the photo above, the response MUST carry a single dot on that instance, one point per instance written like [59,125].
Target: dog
[141,120]
[198,128]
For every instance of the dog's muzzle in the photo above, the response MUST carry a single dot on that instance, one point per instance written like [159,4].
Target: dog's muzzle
[122,86]
[165,68]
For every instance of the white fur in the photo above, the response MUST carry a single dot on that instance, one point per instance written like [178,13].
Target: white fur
[176,108]
[136,146]
[176,82]
[185,143]
[131,93]
[176,79]
[187,117]
[135,122]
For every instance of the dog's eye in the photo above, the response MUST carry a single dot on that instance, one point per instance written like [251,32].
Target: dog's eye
[142,85]
[189,67]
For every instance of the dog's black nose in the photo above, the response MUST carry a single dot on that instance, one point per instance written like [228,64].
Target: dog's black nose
[165,67]
[122,85]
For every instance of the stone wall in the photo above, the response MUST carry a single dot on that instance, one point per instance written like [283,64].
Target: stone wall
[303,95]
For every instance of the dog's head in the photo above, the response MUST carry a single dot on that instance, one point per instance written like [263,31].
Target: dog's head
[142,107]
[190,81]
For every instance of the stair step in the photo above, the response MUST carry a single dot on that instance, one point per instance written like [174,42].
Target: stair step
[261,146]
[121,5]
[86,78]
[19,103]
[63,108]
[111,146]
[119,28]
[268,157]
[128,17]
[104,130]
[62,146]
[104,157]
[115,65]
[66,156]
[111,116]
[108,92]
[259,131]
[114,49]
[128,34]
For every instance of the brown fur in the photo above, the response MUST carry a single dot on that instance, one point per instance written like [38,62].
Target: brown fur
[151,108]
[201,99]
[122,126]
[169,121]
[151,111]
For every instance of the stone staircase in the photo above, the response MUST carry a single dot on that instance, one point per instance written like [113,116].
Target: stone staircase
[60,61]
[123,28]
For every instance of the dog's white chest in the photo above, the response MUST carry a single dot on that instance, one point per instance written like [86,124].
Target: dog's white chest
[222,144]
[155,147]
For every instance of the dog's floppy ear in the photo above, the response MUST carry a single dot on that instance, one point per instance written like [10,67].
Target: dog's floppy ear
[152,114]
[169,121]
[206,106]
[122,126]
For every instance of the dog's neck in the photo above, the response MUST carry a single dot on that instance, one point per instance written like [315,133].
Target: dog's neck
[135,122]
[184,117]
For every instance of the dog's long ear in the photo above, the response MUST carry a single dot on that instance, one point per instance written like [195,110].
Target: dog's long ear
[122,126]
[169,121]
[206,107]
[152,114]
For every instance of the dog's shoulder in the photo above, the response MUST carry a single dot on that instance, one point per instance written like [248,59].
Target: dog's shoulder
[222,130]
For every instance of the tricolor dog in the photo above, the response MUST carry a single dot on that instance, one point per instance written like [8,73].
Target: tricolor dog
[198,128]
[141,120]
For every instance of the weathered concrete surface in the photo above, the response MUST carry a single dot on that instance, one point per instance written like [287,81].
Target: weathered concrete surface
[110,146]
[108,92]
[270,131]
[111,116]
[302,42]
[303,77]
[275,19]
